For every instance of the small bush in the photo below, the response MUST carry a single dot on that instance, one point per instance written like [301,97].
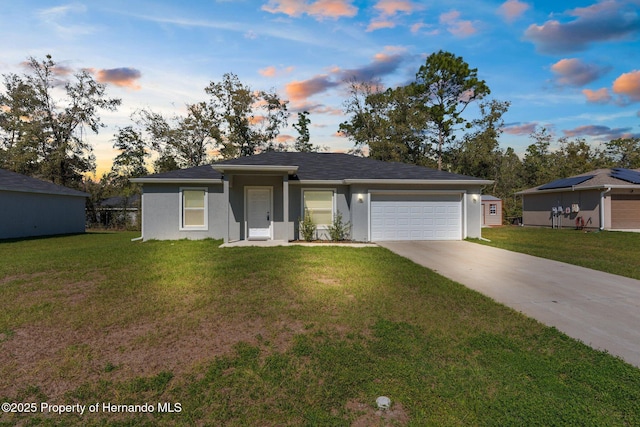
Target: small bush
[338,231]
[307,227]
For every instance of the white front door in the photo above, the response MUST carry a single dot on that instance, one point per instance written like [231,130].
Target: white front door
[259,214]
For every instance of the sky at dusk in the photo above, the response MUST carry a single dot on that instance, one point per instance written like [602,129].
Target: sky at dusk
[571,66]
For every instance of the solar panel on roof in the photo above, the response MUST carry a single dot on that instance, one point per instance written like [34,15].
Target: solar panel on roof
[566,182]
[626,175]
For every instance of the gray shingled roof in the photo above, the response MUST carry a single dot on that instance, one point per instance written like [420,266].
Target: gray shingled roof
[198,172]
[11,181]
[323,166]
[600,178]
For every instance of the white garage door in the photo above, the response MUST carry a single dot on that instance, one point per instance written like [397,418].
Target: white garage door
[416,217]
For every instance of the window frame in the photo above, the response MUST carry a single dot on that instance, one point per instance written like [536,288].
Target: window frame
[181,212]
[333,205]
[493,209]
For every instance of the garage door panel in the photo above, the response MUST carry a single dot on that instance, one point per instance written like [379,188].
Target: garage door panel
[625,211]
[416,217]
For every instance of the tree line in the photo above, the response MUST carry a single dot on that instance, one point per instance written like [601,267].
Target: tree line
[45,117]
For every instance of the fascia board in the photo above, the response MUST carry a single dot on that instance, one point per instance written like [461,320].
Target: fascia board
[53,193]
[420,181]
[175,181]
[565,189]
[317,182]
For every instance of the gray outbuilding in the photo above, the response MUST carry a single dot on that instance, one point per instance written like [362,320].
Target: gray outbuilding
[608,199]
[265,196]
[31,207]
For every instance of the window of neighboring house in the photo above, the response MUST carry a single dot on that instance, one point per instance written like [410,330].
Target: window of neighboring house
[319,204]
[493,209]
[193,209]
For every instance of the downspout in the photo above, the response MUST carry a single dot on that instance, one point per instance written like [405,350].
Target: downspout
[602,196]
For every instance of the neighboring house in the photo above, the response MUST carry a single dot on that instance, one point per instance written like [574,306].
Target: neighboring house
[118,210]
[608,199]
[263,197]
[31,207]
[491,211]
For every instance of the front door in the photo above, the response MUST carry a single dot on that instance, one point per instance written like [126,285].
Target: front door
[259,213]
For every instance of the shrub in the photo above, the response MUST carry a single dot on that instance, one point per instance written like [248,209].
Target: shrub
[338,230]
[307,227]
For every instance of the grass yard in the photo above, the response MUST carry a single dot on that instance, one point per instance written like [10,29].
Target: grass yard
[610,251]
[280,336]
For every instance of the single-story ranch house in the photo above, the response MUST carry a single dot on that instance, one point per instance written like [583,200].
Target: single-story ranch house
[32,207]
[608,199]
[262,197]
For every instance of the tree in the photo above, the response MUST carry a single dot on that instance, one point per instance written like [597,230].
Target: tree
[478,154]
[182,141]
[239,131]
[386,122]
[575,157]
[45,136]
[363,128]
[538,166]
[445,86]
[623,153]
[131,162]
[302,143]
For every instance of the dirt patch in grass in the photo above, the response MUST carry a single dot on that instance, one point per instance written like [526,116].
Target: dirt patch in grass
[22,277]
[368,416]
[58,359]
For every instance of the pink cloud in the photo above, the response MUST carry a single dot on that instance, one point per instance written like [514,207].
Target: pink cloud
[520,128]
[122,77]
[379,25]
[392,7]
[319,9]
[574,72]
[384,63]
[512,10]
[628,86]
[604,133]
[600,96]
[387,11]
[457,26]
[268,72]
[301,90]
[272,71]
[604,21]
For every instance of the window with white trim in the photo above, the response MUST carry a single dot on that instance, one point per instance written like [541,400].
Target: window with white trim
[319,204]
[493,209]
[193,209]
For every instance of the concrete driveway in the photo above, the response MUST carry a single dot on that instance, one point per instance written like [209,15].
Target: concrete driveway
[599,309]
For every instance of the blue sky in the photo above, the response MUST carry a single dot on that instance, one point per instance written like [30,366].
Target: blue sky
[572,66]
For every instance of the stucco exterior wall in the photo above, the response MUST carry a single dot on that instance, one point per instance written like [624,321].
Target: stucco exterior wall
[296,208]
[161,208]
[536,208]
[161,213]
[37,214]
[237,214]
[360,203]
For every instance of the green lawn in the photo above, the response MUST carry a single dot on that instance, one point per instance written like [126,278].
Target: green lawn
[611,251]
[281,336]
